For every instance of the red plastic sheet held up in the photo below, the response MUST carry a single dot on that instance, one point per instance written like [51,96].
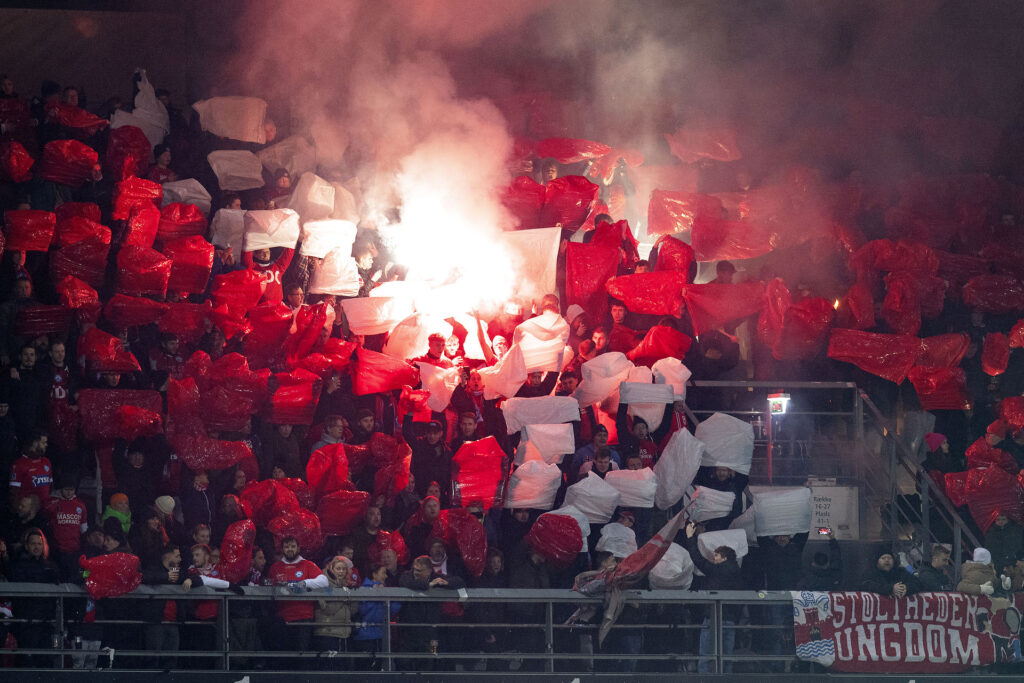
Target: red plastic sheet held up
[375,373]
[658,293]
[674,254]
[236,551]
[858,308]
[74,293]
[995,354]
[135,192]
[660,342]
[132,311]
[269,499]
[178,220]
[980,455]
[712,305]
[557,538]
[1017,335]
[29,229]
[142,272]
[80,122]
[341,511]
[303,525]
[104,352]
[140,230]
[714,238]
[943,350]
[388,541]
[994,294]
[133,422]
[992,492]
[901,308]
[587,269]
[68,162]
[100,409]
[108,576]
[390,480]
[524,199]
[604,168]
[78,228]
[185,320]
[617,234]
[128,152]
[191,263]
[240,291]
[294,401]
[568,201]
[15,162]
[955,483]
[68,210]
[570,150]
[478,475]
[33,321]
[327,470]
[85,260]
[674,212]
[692,144]
[940,388]
[308,325]
[1011,411]
[804,329]
[889,356]
[460,529]
[270,325]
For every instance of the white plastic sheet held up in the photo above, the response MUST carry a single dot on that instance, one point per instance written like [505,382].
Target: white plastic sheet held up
[594,497]
[677,467]
[188,191]
[534,255]
[645,400]
[601,377]
[409,339]
[551,441]
[294,154]
[375,315]
[577,516]
[706,504]
[312,198]
[617,539]
[506,377]
[238,118]
[440,382]
[268,229]
[534,485]
[541,410]
[542,340]
[673,571]
[637,487]
[322,237]
[227,229]
[732,538]
[236,169]
[783,511]
[149,114]
[728,442]
[672,372]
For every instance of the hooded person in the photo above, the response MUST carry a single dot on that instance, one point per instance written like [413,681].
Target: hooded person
[886,578]
[120,510]
[978,576]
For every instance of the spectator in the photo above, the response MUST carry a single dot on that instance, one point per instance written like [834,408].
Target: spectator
[373,615]
[1005,541]
[197,501]
[528,570]
[933,576]
[147,537]
[160,171]
[424,639]
[431,459]
[298,574]
[978,576]
[33,565]
[119,510]
[636,439]
[32,474]
[887,579]
[364,536]
[825,572]
[417,528]
[721,573]
[334,431]
[334,616]
[160,631]
[69,520]
[259,262]
[587,453]
[27,517]
[490,638]
[601,465]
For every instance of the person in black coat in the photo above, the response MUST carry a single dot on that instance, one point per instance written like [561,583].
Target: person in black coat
[721,573]
[490,639]
[161,631]
[431,459]
[888,579]
[423,638]
[933,576]
[825,572]
[35,566]
[723,479]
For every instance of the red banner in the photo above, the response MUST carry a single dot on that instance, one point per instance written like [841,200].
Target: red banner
[923,633]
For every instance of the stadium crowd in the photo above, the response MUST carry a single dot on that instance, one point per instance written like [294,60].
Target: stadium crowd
[205,401]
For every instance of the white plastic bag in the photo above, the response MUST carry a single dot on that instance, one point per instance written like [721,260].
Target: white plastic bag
[228,230]
[617,539]
[544,327]
[552,441]
[706,504]
[338,275]
[637,487]
[642,392]
[541,410]
[149,114]
[728,441]
[312,198]
[601,377]
[594,497]
[506,377]
[188,191]
[238,118]
[294,154]
[747,523]
[672,372]
[268,229]
[409,339]
[534,485]
[346,207]
[581,520]
[708,541]
[440,382]
[673,571]
[236,169]
[321,237]
[782,511]
[375,315]
[541,356]
[677,467]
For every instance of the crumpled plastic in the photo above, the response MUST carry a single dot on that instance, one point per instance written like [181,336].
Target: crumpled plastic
[132,311]
[187,191]
[520,412]
[270,228]
[713,305]
[308,325]
[617,234]
[141,227]
[338,274]
[185,320]
[303,525]
[707,504]
[104,352]
[994,294]
[657,293]
[571,150]
[133,422]
[674,570]
[240,291]
[376,314]
[269,499]
[676,468]
[690,144]
[78,228]
[376,373]
[388,540]
[103,419]
[901,308]
[74,293]
[995,354]
[617,539]
[674,254]
[524,198]
[191,263]
[804,329]
[231,391]
[567,202]
[142,272]
[594,497]
[182,398]
[200,452]
[1017,335]
[294,402]
[460,529]
[391,479]
[587,269]
[80,122]
[782,511]
[235,117]
[15,162]
[327,470]
[108,576]
[236,551]
[341,511]
[889,356]
[992,492]
[68,162]
[777,300]
[674,212]
[270,325]
[980,455]
[179,220]
[557,538]
[534,485]
[659,343]
[728,442]
[943,350]
[33,321]
[638,487]
[955,484]
[132,192]
[889,256]
[128,153]
[478,474]
[940,388]
[29,229]
[89,210]
[312,197]
[715,239]
[1011,411]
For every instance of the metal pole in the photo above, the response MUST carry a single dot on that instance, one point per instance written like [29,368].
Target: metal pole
[225,639]
[768,414]
[549,637]
[718,636]
[386,633]
[58,630]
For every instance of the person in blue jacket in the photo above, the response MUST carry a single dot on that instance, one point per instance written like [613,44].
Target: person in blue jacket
[370,634]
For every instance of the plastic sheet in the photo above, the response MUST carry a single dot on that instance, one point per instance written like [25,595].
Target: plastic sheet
[236,551]
[736,539]
[637,487]
[857,310]
[505,378]
[80,122]
[707,504]
[534,485]
[29,229]
[944,350]
[69,210]
[182,398]
[901,308]
[617,234]
[1011,411]
[550,442]
[103,419]
[111,575]
[460,529]
[327,470]
[68,162]
[440,383]
[981,455]
[889,356]
[15,162]
[270,326]
[804,330]
[312,197]
[715,239]
[587,269]
[520,412]
[524,199]
[376,315]
[308,325]
[269,229]
[323,236]
[391,479]
[33,321]
[675,469]
[601,377]
[617,539]
[294,154]
[594,497]
[992,492]
[236,170]
[85,260]
[133,422]
[728,442]
[269,499]
[557,538]
[478,474]
[660,343]
[337,274]
[940,388]
[674,570]
[674,255]
[141,227]
[671,371]
[199,452]
[234,117]
[142,272]
[131,311]
[657,293]
[74,293]
[955,485]
[783,511]
[240,291]
[1017,335]
[191,262]
[995,354]
[301,524]
[227,230]
[570,150]
[341,511]
[188,191]
[994,294]
[179,220]
[674,212]
[294,402]
[132,192]
[77,228]
[567,202]
[713,305]
[375,373]
[388,540]
[128,153]
[104,353]
[692,144]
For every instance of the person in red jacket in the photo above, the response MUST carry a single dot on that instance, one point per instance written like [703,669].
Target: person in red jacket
[259,261]
[32,473]
[69,519]
[298,574]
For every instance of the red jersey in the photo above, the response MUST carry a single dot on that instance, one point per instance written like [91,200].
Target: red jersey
[271,272]
[60,388]
[68,519]
[206,610]
[287,572]
[648,451]
[32,476]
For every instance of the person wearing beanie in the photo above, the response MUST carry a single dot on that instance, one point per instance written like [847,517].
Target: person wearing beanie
[978,576]
[1004,541]
[175,531]
[888,579]
[120,510]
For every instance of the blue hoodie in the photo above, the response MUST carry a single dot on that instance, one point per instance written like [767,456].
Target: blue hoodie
[373,614]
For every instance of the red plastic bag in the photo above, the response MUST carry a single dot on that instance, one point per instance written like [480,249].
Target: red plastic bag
[240,291]
[309,324]
[804,329]
[178,220]
[1017,335]
[108,576]
[619,235]
[200,452]
[301,490]
[980,455]
[270,325]
[376,373]
[478,475]
[132,311]
[388,541]
[199,364]
[339,352]
[301,524]
[524,199]
[557,538]
[674,212]
[889,256]
[33,321]
[957,269]
[901,308]
[68,162]
[460,529]
[777,301]
[571,151]
[327,470]
[390,480]
[231,326]
[182,398]
[384,451]
[414,401]
[674,254]
[69,210]
[128,152]
[74,293]
[140,230]
[132,192]
[604,167]
[29,229]
[77,228]
[191,263]
[995,354]
[101,411]
[231,393]
[104,353]
[587,269]
[940,388]
[15,162]
[269,499]
[660,342]
[944,350]
[294,402]
[715,239]
[658,293]
[992,492]
[342,511]
[692,144]
[857,310]
[236,551]
[711,305]
[133,422]
[567,202]
[142,272]
[185,320]
[955,483]
[1011,411]
[82,123]
[889,356]
[991,293]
